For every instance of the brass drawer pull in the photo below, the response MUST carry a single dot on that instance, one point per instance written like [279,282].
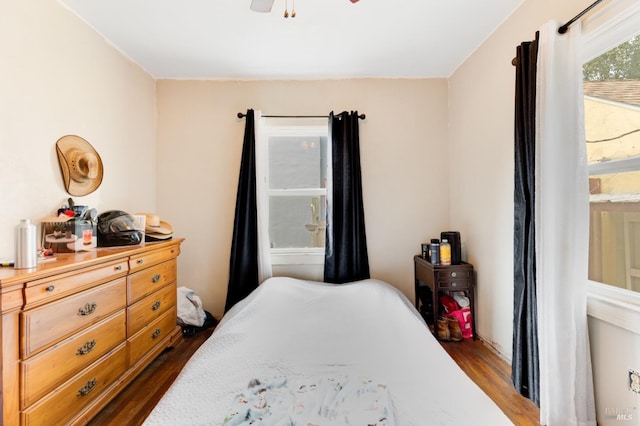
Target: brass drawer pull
[88,387]
[88,309]
[140,261]
[156,278]
[156,333]
[51,288]
[453,274]
[87,347]
[118,268]
[156,305]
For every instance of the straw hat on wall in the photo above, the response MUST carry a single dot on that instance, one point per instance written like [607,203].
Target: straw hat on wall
[80,165]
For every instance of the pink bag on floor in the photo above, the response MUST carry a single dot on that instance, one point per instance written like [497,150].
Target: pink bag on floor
[464,319]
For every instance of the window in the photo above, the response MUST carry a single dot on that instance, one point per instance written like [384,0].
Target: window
[611,119]
[612,126]
[296,175]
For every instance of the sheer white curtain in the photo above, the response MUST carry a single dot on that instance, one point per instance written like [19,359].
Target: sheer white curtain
[262,200]
[562,232]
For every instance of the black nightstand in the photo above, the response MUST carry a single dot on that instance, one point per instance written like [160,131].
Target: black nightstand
[432,280]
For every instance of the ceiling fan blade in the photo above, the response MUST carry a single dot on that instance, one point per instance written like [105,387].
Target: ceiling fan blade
[262,5]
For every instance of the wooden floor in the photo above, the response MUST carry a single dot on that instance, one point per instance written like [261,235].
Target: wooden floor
[480,363]
[493,375]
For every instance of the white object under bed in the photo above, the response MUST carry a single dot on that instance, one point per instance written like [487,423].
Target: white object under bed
[305,353]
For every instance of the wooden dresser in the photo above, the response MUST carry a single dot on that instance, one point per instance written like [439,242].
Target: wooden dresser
[77,330]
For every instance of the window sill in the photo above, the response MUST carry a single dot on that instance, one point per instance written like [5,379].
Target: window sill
[616,306]
[297,257]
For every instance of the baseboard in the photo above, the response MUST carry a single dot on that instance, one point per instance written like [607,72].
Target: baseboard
[495,348]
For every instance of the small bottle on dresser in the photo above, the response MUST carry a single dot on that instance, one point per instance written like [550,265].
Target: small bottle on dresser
[434,250]
[445,252]
[26,251]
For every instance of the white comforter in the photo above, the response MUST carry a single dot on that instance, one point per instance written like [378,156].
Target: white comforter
[289,333]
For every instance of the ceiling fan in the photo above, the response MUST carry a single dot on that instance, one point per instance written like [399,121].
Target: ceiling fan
[266,5]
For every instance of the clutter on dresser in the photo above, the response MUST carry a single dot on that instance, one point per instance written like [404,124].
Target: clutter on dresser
[446,250]
[71,229]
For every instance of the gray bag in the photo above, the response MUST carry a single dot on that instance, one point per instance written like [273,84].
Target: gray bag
[190,310]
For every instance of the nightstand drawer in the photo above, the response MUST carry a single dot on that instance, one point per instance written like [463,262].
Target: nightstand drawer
[454,284]
[453,274]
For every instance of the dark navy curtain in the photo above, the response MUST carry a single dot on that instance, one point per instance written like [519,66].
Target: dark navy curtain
[346,257]
[243,270]
[525,362]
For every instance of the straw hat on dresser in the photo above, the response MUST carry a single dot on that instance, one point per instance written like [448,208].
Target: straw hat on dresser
[156,229]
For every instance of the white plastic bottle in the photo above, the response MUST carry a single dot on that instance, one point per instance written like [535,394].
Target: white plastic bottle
[445,252]
[26,245]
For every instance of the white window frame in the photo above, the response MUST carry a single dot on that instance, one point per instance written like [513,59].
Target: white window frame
[606,28]
[293,256]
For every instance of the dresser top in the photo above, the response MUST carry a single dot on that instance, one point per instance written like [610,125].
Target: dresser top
[65,262]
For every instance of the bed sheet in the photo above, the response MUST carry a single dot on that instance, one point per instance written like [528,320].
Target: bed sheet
[294,331]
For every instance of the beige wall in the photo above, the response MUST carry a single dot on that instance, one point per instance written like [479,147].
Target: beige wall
[403,144]
[59,77]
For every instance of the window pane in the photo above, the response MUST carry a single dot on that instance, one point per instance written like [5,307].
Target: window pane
[616,185]
[612,127]
[297,221]
[297,162]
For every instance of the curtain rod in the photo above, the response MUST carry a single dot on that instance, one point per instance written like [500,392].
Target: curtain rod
[563,29]
[243,115]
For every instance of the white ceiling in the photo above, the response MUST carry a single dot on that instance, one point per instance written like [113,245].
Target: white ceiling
[224,39]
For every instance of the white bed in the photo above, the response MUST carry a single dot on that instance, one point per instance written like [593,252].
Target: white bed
[306,353]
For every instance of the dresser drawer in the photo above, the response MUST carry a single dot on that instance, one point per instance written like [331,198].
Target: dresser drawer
[150,280]
[151,258]
[150,335]
[150,308]
[43,372]
[46,289]
[58,407]
[48,324]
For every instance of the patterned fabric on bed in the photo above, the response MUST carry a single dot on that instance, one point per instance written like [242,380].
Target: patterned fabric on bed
[313,401]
